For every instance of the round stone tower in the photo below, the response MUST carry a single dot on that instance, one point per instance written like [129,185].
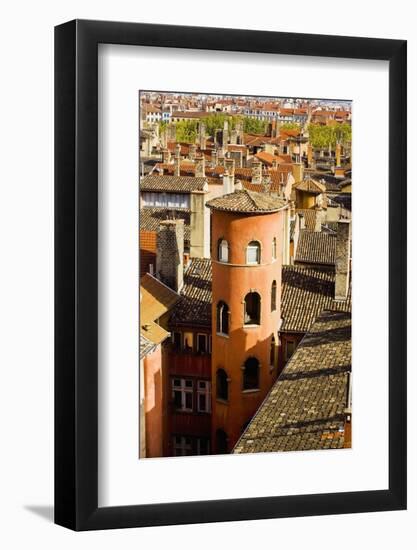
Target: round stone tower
[246,253]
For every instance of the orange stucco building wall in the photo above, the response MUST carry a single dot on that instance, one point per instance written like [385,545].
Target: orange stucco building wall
[231,282]
[154,403]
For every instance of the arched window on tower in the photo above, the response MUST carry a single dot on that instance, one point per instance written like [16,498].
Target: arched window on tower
[274,248]
[251,374]
[222,385]
[222,318]
[221,442]
[223,251]
[274,296]
[252,314]
[253,253]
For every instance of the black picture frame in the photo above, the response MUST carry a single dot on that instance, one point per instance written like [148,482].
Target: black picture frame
[76,271]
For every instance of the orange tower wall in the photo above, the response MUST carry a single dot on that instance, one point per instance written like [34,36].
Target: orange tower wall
[231,282]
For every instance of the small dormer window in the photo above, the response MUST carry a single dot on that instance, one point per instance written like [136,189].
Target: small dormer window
[253,253]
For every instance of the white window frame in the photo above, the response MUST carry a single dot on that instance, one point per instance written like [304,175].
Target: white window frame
[249,250]
[181,448]
[184,390]
[204,388]
[223,251]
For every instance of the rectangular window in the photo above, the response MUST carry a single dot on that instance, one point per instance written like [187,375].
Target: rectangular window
[188,341]
[202,343]
[176,340]
[203,396]
[182,394]
[203,446]
[182,445]
[289,349]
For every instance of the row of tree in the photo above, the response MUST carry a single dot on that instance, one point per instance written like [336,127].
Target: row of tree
[320,136]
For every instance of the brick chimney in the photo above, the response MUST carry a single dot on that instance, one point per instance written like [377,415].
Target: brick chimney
[170,253]
[338,154]
[298,171]
[343,238]
[202,135]
[200,167]
[225,135]
[214,158]
[166,156]
[177,160]
[309,155]
[256,171]
[192,151]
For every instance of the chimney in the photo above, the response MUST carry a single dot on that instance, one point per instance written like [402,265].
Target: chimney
[298,171]
[214,158]
[220,159]
[177,160]
[202,135]
[170,253]
[229,164]
[166,156]
[319,219]
[256,171]
[200,171]
[338,151]
[192,151]
[225,135]
[309,155]
[233,137]
[343,237]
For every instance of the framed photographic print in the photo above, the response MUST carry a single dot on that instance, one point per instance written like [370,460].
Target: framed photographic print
[230,275]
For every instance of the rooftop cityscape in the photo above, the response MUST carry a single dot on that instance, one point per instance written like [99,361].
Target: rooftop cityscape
[245,274]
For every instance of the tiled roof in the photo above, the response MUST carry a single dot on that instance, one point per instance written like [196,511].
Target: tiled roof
[309,216]
[173,184]
[188,168]
[250,202]
[316,248]
[146,346]
[344,199]
[268,158]
[147,245]
[306,292]
[194,306]
[310,186]
[306,407]
[150,217]
[156,299]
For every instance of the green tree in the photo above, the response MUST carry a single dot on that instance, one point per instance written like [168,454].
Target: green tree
[290,126]
[322,136]
[186,131]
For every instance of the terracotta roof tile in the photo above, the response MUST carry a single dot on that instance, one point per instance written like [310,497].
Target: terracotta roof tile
[306,292]
[310,186]
[150,217]
[173,184]
[194,306]
[156,299]
[250,202]
[306,407]
[316,248]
